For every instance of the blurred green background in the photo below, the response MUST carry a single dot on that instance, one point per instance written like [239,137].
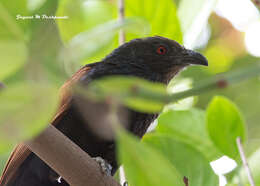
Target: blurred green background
[42,53]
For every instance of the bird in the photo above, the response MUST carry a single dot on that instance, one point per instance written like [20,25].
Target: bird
[156,59]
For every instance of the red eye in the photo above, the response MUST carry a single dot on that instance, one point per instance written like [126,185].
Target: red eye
[161,50]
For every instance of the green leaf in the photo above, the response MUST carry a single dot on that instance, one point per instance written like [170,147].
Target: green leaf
[25,110]
[162,16]
[43,54]
[90,43]
[194,16]
[220,58]
[13,56]
[189,127]
[12,28]
[136,93]
[188,161]
[83,15]
[225,124]
[144,166]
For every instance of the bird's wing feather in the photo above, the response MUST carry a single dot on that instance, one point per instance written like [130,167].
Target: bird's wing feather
[21,152]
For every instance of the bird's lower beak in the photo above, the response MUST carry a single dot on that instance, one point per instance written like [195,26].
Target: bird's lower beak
[194,58]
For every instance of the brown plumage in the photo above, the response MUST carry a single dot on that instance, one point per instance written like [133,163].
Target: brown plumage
[156,59]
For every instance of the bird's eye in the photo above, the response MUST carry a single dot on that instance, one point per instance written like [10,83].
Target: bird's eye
[161,50]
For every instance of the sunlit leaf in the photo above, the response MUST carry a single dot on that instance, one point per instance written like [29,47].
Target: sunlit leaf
[25,110]
[189,127]
[88,44]
[12,56]
[85,20]
[162,16]
[83,15]
[11,27]
[220,58]
[35,4]
[134,92]
[144,166]
[178,85]
[225,124]
[193,15]
[188,161]
[44,45]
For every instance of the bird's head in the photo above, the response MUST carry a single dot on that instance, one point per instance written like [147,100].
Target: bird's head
[161,55]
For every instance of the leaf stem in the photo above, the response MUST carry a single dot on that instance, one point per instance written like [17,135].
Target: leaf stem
[218,82]
[244,160]
[121,17]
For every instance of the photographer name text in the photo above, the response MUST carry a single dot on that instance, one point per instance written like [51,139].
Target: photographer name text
[43,16]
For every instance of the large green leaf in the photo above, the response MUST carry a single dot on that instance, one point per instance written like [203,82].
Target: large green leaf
[13,56]
[96,41]
[162,16]
[190,127]
[136,93]
[13,50]
[188,161]
[25,110]
[44,50]
[225,124]
[83,15]
[11,27]
[194,16]
[145,166]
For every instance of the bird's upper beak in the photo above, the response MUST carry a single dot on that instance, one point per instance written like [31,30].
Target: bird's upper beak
[194,58]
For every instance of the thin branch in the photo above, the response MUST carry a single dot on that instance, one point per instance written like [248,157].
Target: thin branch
[217,82]
[244,160]
[141,92]
[121,16]
[68,160]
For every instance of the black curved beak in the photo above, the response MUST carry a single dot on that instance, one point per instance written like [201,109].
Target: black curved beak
[194,58]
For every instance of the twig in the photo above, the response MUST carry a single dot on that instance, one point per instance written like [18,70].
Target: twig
[142,92]
[244,160]
[121,16]
[218,82]
[68,160]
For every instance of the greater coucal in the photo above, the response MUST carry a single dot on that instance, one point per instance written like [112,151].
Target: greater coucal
[156,59]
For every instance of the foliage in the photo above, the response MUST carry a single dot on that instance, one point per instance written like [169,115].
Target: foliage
[37,56]
[225,125]
[189,127]
[143,165]
[190,163]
